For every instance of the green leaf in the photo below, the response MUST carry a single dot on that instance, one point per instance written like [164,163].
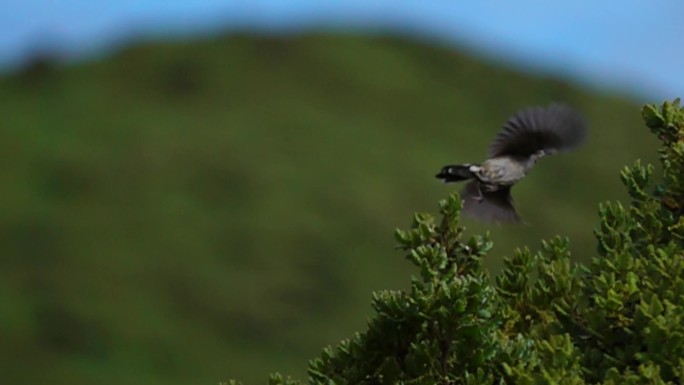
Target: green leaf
[652,116]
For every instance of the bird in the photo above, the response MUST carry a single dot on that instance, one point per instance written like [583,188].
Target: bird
[527,136]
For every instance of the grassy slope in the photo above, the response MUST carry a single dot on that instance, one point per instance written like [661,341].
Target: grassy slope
[191,212]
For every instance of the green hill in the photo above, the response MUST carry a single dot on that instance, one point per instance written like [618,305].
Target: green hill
[189,212]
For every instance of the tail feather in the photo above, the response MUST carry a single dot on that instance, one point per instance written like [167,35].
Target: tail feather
[489,206]
[455,173]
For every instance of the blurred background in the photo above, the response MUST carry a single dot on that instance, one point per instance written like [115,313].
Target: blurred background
[198,191]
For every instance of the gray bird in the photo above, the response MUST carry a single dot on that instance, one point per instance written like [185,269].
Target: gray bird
[526,137]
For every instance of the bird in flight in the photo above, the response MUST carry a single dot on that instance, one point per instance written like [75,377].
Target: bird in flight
[527,136]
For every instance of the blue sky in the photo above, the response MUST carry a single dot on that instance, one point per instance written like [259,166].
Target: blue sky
[630,45]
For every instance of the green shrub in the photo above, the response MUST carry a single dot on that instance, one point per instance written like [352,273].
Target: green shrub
[546,320]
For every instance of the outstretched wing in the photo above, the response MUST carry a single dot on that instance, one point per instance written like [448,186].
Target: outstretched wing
[557,127]
[493,206]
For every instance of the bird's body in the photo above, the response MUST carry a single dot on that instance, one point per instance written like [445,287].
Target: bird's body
[503,170]
[526,137]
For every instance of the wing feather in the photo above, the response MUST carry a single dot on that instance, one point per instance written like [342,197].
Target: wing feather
[557,127]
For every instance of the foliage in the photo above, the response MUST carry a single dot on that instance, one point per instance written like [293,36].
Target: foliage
[546,320]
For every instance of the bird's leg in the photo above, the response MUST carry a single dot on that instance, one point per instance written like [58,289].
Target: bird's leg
[479,196]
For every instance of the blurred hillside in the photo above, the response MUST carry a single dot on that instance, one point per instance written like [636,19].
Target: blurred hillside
[190,212]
